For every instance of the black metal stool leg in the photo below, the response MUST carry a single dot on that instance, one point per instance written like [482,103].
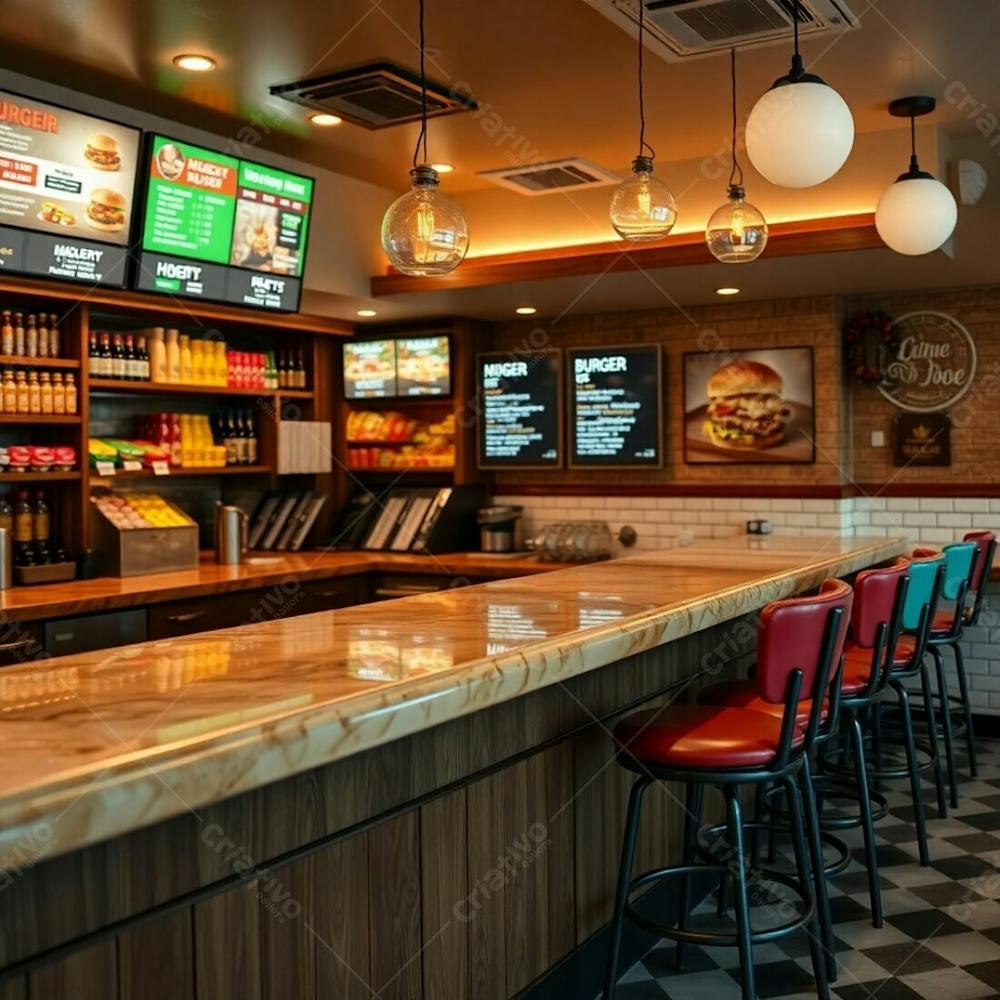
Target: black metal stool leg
[932,737]
[949,743]
[692,821]
[738,865]
[624,879]
[813,929]
[819,876]
[963,690]
[876,714]
[919,819]
[867,823]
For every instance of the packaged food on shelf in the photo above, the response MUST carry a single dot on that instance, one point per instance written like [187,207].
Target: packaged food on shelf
[393,440]
[128,511]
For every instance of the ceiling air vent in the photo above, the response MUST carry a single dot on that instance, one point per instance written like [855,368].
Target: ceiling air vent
[553,176]
[375,96]
[687,28]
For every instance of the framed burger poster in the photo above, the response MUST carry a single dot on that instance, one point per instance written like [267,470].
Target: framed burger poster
[750,407]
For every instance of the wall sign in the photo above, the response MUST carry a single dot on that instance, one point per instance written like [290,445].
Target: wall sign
[934,366]
[922,439]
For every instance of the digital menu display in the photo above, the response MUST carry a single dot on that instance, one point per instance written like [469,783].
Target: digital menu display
[520,404]
[220,228]
[423,366]
[370,369]
[615,406]
[67,186]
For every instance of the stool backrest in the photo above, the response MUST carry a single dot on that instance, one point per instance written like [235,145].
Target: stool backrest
[795,634]
[985,542]
[922,593]
[875,592]
[959,562]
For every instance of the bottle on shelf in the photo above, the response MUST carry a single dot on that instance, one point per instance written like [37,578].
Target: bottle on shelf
[44,345]
[131,369]
[141,359]
[221,364]
[55,338]
[31,338]
[41,528]
[58,394]
[6,513]
[117,357]
[7,334]
[107,359]
[9,392]
[94,363]
[157,356]
[70,393]
[24,529]
[45,383]
[173,357]
[196,364]
[300,371]
[23,399]
[252,446]
[34,393]
[184,369]
[19,334]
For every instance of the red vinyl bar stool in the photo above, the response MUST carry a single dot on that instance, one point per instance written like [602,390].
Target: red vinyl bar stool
[799,652]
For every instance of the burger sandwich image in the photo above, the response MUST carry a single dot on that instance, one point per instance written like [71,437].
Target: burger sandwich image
[106,210]
[102,152]
[745,406]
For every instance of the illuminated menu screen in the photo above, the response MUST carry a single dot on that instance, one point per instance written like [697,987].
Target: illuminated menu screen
[615,404]
[370,369]
[220,228]
[67,185]
[519,409]
[423,366]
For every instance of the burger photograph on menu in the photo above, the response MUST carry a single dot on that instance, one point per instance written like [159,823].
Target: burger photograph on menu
[749,407]
[102,152]
[106,210]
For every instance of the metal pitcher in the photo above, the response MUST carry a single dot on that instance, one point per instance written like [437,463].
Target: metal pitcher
[230,535]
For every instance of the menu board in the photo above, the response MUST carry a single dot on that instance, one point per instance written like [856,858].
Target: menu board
[423,366]
[520,405]
[615,406]
[217,227]
[67,185]
[370,369]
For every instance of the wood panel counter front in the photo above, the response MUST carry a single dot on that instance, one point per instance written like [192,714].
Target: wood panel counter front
[376,761]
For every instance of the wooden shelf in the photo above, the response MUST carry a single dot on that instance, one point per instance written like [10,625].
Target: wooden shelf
[37,418]
[380,444]
[444,470]
[40,477]
[228,470]
[15,359]
[173,388]
[399,402]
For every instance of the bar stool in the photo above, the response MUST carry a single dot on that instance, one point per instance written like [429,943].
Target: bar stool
[800,645]
[948,626]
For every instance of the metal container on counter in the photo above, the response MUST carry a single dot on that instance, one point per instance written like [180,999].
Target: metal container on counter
[501,529]
[230,535]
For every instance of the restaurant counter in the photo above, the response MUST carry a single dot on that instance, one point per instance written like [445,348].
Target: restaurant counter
[363,769]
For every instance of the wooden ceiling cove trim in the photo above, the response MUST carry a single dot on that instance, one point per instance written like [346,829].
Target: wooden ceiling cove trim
[787,239]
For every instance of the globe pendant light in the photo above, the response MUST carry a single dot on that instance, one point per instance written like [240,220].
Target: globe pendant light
[916,214]
[737,232]
[424,232]
[800,132]
[643,208]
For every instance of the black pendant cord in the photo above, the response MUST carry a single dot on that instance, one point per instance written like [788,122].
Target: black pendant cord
[798,68]
[914,165]
[422,136]
[643,145]
[736,174]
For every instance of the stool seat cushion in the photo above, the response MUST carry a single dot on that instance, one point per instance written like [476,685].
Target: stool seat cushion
[743,694]
[943,621]
[700,736]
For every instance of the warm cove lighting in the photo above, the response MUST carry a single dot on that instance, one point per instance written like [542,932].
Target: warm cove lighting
[324,120]
[526,310]
[727,291]
[367,313]
[442,168]
[195,63]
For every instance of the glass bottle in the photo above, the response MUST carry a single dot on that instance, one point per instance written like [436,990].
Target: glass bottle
[34,393]
[118,357]
[157,357]
[7,334]
[41,527]
[107,358]
[45,381]
[142,359]
[19,335]
[24,524]
[43,336]
[93,356]
[23,403]
[54,337]
[70,393]
[6,513]
[252,449]
[9,392]
[173,357]
[58,393]
[221,364]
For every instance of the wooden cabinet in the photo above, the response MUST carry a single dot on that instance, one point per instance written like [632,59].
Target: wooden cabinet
[201,614]
[20,642]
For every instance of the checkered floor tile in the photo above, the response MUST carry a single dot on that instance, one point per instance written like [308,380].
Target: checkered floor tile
[941,937]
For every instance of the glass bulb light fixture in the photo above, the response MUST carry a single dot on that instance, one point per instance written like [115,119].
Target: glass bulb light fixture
[737,232]
[801,131]
[424,232]
[916,214]
[643,208]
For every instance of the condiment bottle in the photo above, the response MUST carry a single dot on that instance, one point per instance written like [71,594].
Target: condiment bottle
[186,360]
[9,392]
[173,357]
[34,393]
[70,393]
[31,338]
[43,336]
[6,514]
[157,356]
[54,345]
[198,362]
[58,393]
[45,381]
[19,335]
[7,334]
[23,404]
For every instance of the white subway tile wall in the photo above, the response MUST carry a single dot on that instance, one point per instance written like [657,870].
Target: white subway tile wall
[661,521]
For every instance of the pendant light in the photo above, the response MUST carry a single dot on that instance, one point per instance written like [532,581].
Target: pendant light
[800,132]
[737,232]
[424,232]
[916,214]
[643,208]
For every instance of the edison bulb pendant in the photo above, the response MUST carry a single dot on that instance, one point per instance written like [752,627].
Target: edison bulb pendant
[643,208]
[737,232]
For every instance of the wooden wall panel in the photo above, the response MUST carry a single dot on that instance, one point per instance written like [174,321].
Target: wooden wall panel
[230,965]
[87,975]
[14,989]
[157,959]
[287,903]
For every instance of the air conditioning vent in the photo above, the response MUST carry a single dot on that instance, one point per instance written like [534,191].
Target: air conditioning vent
[688,28]
[375,96]
[548,178]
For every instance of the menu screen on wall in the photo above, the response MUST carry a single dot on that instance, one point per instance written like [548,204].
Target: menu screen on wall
[423,366]
[520,404]
[67,185]
[370,369]
[615,406]
[220,228]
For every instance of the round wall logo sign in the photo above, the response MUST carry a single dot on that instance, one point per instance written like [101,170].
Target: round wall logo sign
[934,366]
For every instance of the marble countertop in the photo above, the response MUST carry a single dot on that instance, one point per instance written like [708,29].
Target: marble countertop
[101,743]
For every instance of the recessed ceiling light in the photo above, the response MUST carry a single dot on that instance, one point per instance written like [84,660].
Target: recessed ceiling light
[324,120]
[195,63]
[443,168]
[367,313]
[526,310]
[727,291]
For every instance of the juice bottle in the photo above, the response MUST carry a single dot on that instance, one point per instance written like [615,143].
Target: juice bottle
[9,392]
[186,360]
[157,356]
[173,357]
[23,397]
[198,362]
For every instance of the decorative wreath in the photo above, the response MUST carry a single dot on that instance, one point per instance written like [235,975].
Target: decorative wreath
[871,341]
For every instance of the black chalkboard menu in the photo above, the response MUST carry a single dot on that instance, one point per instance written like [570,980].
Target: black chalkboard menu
[520,410]
[615,406]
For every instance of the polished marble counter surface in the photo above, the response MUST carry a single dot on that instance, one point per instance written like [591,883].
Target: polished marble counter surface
[95,745]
